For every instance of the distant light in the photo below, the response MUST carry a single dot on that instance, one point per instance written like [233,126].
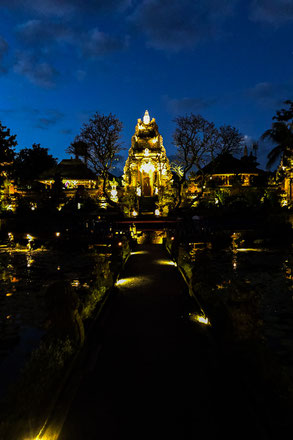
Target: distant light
[9,294]
[58,267]
[172,238]
[57,234]
[120,243]
[134,213]
[75,283]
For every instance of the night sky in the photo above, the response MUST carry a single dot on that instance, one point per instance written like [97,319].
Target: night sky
[61,60]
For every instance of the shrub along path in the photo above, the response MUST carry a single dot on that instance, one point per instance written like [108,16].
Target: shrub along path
[157,375]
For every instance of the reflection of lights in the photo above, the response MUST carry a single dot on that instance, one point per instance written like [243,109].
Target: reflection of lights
[249,250]
[29,262]
[202,319]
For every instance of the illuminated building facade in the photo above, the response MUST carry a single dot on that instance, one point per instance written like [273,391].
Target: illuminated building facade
[73,173]
[147,170]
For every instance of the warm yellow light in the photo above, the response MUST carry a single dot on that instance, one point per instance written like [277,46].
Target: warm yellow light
[75,283]
[146,118]
[132,281]
[249,250]
[202,319]
[166,262]
[9,294]
[147,167]
[29,237]
[134,213]
[157,212]
[139,253]
[57,234]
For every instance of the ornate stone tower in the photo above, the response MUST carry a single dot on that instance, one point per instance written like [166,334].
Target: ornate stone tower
[147,169]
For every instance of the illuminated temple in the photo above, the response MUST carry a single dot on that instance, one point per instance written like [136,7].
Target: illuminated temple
[147,170]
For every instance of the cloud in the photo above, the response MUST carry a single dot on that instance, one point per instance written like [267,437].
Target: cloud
[37,72]
[38,32]
[96,43]
[3,51]
[186,105]
[43,35]
[270,95]
[174,26]
[52,118]
[275,12]
[61,8]
[66,131]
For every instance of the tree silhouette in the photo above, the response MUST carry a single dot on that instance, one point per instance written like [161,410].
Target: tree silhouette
[197,141]
[281,133]
[7,144]
[101,135]
[30,163]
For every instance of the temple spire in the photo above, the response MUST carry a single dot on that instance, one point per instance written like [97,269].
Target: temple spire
[146,118]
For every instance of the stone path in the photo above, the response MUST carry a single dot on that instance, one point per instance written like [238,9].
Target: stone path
[156,374]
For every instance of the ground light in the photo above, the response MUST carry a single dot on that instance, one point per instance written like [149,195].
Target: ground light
[132,281]
[201,318]
[166,262]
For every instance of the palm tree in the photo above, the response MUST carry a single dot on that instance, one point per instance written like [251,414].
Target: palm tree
[281,134]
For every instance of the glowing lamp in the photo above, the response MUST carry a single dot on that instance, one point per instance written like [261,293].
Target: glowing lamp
[157,212]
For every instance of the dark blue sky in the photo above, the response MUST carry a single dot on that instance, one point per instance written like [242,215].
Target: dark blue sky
[61,60]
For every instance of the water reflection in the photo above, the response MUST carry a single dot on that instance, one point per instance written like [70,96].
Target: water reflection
[24,275]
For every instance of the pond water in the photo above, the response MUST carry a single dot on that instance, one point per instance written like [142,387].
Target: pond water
[255,269]
[24,277]
[269,271]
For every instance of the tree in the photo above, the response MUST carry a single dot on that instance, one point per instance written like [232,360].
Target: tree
[7,144]
[101,136]
[30,163]
[197,141]
[79,149]
[281,133]
[231,140]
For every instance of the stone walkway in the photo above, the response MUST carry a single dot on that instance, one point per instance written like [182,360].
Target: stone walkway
[156,374]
